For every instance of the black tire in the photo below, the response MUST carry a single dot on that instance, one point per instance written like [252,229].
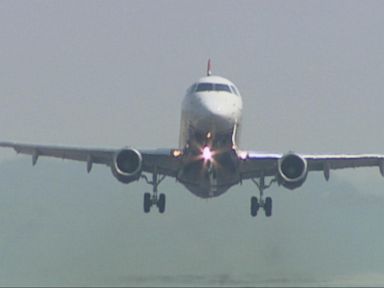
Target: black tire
[254,206]
[147,202]
[161,203]
[268,207]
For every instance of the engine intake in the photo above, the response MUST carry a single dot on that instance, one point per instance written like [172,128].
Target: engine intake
[127,165]
[292,170]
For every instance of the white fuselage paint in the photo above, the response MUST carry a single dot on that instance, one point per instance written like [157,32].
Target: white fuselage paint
[210,111]
[210,118]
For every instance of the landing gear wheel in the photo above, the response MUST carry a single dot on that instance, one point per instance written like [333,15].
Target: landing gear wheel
[268,206]
[265,204]
[147,202]
[161,203]
[254,206]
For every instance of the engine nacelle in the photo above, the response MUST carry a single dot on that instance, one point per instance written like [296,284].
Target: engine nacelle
[293,170]
[127,165]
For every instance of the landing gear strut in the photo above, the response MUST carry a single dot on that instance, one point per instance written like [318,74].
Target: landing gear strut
[151,199]
[266,203]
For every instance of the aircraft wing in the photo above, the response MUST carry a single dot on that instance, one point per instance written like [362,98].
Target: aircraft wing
[255,164]
[162,159]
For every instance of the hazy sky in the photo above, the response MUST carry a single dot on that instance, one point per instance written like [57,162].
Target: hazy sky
[113,73]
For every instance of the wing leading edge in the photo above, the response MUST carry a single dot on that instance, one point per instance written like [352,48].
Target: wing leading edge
[252,164]
[256,165]
[162,159]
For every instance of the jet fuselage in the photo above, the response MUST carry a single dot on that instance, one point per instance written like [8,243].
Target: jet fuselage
[210,123]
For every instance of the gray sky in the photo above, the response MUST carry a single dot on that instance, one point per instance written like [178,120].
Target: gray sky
[113,73]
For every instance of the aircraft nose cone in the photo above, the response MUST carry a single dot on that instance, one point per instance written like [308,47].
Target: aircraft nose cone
[223,108]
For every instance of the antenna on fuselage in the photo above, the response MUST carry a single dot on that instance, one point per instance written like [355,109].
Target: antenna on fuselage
[209,68]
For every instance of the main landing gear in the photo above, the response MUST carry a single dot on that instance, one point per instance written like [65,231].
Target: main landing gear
[154,199]
[266,203]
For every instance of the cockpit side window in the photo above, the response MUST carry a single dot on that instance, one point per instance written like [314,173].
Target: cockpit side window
[234,90]
[222,87]
[204,87]
[191,89]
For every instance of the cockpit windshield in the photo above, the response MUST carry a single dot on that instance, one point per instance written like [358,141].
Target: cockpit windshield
[204,87]
[222,87]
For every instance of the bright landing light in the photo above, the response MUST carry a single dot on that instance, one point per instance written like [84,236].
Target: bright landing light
[207,154]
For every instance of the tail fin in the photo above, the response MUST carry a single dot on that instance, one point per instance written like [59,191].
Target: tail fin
[209,68]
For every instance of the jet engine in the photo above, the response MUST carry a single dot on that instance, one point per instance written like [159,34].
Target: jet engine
[292,170]
[127,165]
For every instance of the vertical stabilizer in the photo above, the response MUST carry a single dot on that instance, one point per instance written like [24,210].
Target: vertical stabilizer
[209,68]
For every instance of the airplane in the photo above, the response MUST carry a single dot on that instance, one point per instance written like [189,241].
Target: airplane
[208,160]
